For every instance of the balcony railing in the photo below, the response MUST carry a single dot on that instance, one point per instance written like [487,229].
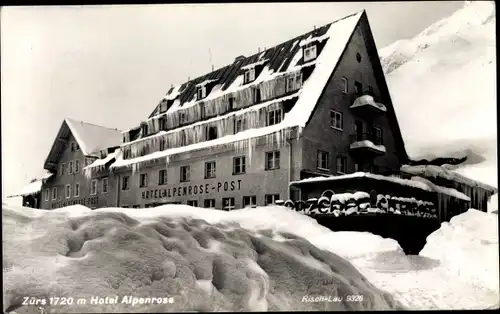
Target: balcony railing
[366,104]
[366,143]
[366,137]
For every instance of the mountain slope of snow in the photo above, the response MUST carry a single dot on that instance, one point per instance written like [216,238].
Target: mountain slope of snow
[443,86]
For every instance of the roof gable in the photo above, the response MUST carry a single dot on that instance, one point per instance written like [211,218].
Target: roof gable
[90,137]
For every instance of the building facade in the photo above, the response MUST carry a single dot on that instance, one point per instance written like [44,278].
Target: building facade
[315,105]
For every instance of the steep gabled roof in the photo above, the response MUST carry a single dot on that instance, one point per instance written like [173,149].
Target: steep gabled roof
[90,137]
[279,60]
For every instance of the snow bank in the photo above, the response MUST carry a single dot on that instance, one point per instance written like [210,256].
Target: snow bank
[468,247]
[207,260]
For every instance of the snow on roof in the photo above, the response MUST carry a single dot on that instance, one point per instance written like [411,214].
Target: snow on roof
[416,182]
[174,93]
[366,143]
[407,182]
[217,118]
[92,138]
[325,63]
[34,186]
[205,82]
[442,189]
[441,172]
[367,100]
[100,163]
[312,39]
[253,65]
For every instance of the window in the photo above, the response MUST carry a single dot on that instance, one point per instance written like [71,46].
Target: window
[341,164]
[256,95]
[290,83]
[136,206]
[298,80]
[240,124]
[274,117]
[231,103]
[67,191]
[125,185]
[322,160]
[310,53]
[185,173]
[63,168]
[228,203]
[211,133]
[54,193]
[249,76]
[47,195]
[162,177]
[77,166]
[272,160]
[271,198]
[250,201]
[202,92]
[345,85]
[144,129]
[126,153]
[77,189]
[182,118]
[356,167]
[210,170]
[192,203]
[143,180]
[72,146]
[358,88]
[210,203]
[162,143]
[93,187]
[77,147]
[239,165]
[104,185]
[162,124]
[379,138]
[70,170]
[358,57]
[370,90]
[336,120]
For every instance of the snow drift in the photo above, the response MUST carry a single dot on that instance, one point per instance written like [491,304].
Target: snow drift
[443,86]
[205,265]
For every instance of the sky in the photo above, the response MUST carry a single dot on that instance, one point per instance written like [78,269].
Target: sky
[111,65]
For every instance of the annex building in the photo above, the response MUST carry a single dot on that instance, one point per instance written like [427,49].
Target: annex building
[315,105]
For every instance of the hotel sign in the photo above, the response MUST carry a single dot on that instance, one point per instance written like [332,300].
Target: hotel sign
[189,190]
[81,201]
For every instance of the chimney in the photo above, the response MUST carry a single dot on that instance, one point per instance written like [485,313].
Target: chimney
[314,27]
[259,49]
[239,58]
[213,68]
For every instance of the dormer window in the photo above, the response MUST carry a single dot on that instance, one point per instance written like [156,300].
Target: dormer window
[144,129]
[249,76]
[310,53]
[201,92]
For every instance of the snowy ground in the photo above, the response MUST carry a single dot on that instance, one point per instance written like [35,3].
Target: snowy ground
[265,258]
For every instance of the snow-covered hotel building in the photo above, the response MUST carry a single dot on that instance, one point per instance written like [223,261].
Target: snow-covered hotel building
[315,105]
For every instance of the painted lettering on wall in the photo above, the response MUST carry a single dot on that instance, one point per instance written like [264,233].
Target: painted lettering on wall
[191,190]
[80,201]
